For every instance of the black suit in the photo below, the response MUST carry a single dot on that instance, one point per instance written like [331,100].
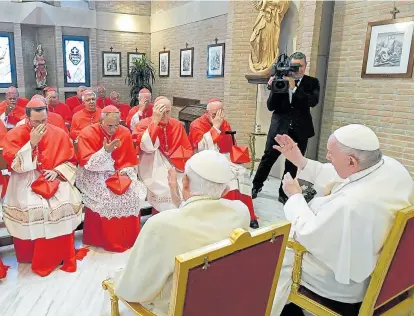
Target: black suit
[293,119]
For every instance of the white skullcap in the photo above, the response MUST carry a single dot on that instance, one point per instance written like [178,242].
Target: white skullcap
[357,136]
[212,166]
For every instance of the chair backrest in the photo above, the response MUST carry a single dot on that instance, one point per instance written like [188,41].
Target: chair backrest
[394,272]
[237,276]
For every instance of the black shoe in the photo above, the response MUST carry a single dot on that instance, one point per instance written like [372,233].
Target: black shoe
[282,199]
[254,224]
[255,192]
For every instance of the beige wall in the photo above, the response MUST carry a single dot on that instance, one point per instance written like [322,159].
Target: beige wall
[198,35]
[385,105]
[124,43]
[160,6]
[126,7]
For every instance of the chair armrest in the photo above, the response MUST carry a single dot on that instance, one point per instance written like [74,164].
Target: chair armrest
[107,285]
[299,251]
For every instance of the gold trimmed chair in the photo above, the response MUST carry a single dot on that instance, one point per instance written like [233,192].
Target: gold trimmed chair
[236,276]
[390,292]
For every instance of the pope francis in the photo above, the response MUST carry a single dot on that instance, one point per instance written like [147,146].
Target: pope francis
[345,225]
[202,219]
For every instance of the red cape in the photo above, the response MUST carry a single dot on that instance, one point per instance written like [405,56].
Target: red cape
[103,102]
[83,119]
[202,125]
[14,116]
[63,110]
[73,102]
[124,109]
[175,132]
[54,149]
[148,112]
[91,140]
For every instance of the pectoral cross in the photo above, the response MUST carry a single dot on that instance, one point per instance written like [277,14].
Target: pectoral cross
[394,12]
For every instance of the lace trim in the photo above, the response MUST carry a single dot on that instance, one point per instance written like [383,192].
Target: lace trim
[151,197]
[36,215]
[100,161]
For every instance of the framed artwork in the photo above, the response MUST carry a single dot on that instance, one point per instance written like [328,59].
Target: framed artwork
[132,58]
[164,63]
[7,61]
[111,64]
[216,60]
[75,60]
[186,62]
[389,49]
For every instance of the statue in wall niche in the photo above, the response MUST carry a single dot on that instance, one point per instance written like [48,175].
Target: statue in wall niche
[39,64]
[266,34]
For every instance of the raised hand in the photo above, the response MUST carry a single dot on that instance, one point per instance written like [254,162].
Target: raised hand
[158,111]
[50,175]
[172,178]
[290,185]
[290,150]
[110,147]
[36,134]
[218,120]
[9,108]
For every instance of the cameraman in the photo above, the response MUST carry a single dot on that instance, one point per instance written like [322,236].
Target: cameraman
[291,115]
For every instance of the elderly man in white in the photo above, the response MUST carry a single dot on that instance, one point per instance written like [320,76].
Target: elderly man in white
[345,225]
[202,219]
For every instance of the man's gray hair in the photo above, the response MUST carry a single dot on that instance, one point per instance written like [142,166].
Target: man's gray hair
[299,55]
[104,115]
[202,187]
[365,158]
[87,93]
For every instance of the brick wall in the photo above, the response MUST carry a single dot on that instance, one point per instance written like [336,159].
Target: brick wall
[198,35]
[160,6]
[385,105]
[239,95]
[46,37]
[121,42]
[28,49]
[126,7]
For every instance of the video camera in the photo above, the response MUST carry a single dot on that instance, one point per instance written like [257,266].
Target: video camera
[282,68]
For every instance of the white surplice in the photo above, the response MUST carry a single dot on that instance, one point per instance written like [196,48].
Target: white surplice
[200,221]
[90,180]
[343,231]
[8,125]
[153,170]
[135,119]
[241,180]
[28,215]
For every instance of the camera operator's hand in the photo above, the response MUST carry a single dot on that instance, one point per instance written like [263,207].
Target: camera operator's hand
[290,81]
[271,80]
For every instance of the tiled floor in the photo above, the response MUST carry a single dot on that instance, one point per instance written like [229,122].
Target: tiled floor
[23,293]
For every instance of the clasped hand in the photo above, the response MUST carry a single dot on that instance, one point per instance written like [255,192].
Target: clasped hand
[110,147]
[50,175]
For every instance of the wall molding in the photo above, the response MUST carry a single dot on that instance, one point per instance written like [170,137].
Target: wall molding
[188,13]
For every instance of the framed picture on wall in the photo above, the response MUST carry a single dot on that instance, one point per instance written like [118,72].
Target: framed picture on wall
[75,60]
[389,49]
[164,63]
[111,64]
[186,62]
[132,58]
[216,60]
[7,61]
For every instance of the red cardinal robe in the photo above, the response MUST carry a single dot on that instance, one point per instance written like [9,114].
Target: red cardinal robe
[200,127]
[148,112]
[14,116]
[171,135]
[103,102]
[73,102]
[54,149]
[83,119]
[124,109]
[63,110]
[55,120]
[3,270]
[113,234]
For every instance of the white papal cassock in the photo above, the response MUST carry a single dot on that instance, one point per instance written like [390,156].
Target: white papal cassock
[343,231]
[199,221]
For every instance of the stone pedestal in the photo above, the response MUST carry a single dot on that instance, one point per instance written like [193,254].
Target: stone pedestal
[263,121]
